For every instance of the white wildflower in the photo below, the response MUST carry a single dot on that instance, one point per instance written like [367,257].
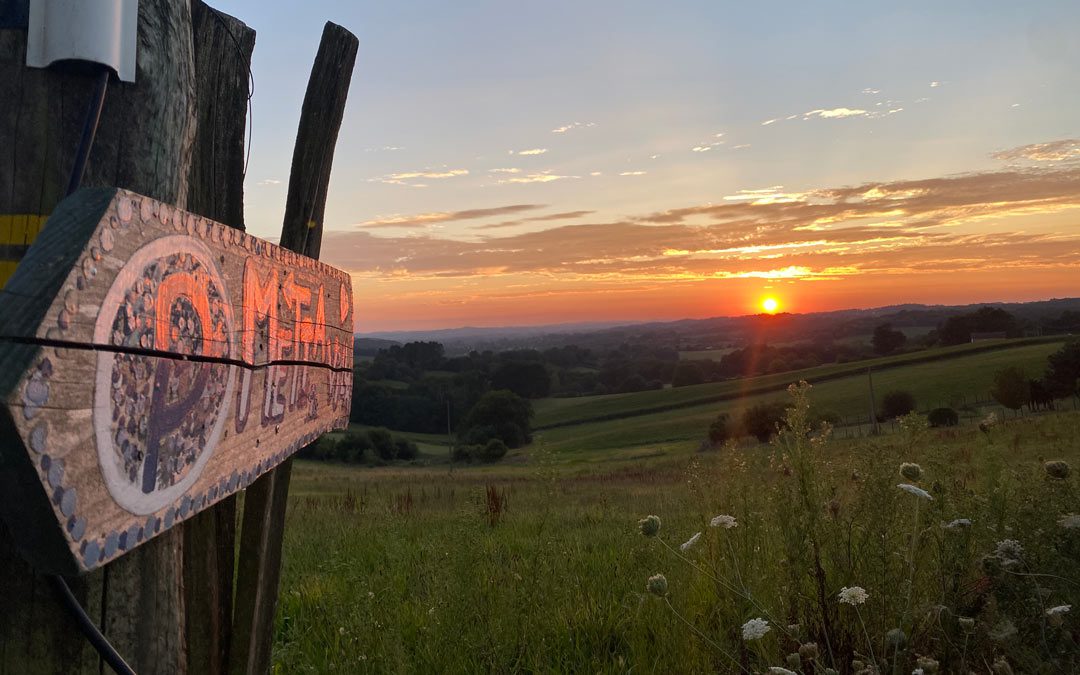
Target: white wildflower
[856,595]
[1009,549]
[1070,521]
[1060,609]
[777,670]
[917,491]
[959,523]
[755,629]
[657,585]
[726,522]
[918,671]
[689,542]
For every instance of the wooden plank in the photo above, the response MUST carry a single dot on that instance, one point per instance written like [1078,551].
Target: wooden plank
[223,48]
[144,144]
[265,503]
[155,363]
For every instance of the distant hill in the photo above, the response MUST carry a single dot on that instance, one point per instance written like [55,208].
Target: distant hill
[366,346]
[716,332]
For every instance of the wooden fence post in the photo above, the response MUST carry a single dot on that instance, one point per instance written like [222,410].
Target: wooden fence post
[223,47]
[143,143]
[259,569]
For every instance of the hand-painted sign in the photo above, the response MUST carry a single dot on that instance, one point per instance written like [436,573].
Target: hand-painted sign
[152,362]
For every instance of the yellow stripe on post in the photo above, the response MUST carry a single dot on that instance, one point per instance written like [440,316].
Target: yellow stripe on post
[17,232]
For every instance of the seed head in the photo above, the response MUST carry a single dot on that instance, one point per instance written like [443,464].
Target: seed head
[967,624]
[649,525]
[794,660]
[1001,667]
[895,639]
[1009,549]
[808,651]
[927,664]
[912,472]
[958,524]
[1056,615]
[657,585]
[777,670]
[1057,469]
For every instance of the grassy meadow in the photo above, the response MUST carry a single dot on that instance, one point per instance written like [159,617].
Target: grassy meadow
[540,564]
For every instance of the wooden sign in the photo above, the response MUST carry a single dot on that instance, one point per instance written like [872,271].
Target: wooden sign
[152,362]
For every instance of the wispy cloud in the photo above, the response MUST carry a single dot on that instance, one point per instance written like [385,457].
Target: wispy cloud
[1053,151]
[269,181]
[633,173]
[541,177]
[870,90]
[573,125]
[531,151]
[425,219]
[408,177]
[385,148]
[843,113]
[935,84]
[505,170]
[709,145]
[567,215]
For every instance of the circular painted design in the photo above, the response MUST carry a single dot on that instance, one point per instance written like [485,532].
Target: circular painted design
[157,420]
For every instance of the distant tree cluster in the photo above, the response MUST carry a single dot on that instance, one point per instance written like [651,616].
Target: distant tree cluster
[356,447]
[1013,389]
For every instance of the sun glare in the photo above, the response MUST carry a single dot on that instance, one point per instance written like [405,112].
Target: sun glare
[770,305]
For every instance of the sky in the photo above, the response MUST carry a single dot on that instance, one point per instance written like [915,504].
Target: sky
[508,163]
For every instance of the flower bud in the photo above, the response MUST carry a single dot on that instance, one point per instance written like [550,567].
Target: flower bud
[649,525]
[967,624]
[808,651]
[657,585]
[794,661]
[895,639]
[913,472]
[1057,469]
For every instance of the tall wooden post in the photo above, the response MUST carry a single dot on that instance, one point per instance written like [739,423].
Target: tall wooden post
[223,47]
[873,403]
[144,143]
[259,570]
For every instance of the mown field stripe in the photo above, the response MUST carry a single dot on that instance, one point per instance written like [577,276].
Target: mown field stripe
[855,369]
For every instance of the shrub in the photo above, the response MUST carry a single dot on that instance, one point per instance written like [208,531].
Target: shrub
[405,449]
[492,451]
[896,404]
[1011,388]
[718,430]
[498,414]
[943,417]
[762,420]
[382,442]
[463,452]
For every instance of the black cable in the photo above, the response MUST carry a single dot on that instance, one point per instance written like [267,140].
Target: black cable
[93,635]
[90,125]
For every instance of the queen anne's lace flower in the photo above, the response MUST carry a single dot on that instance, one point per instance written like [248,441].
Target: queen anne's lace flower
[1060,609]
[726,522]
[1070,521]
[689,542]
[1009,549]
[755,629]
[657,585]
[910,471]
[917,491]
[856,595]
[649,525]
[777,670]
[958,524]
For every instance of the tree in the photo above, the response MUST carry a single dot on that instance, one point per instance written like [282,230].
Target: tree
[762,420]
[499,414]
[886,340]
[686,373]
[529,379]
[718,430]
[1011,388]
[1063,371]
[943,417]
[896,404]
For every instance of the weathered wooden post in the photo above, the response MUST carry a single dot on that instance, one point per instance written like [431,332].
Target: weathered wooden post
[154,362]
[264,508]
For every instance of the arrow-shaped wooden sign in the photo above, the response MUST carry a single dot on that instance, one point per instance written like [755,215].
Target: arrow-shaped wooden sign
[153,362]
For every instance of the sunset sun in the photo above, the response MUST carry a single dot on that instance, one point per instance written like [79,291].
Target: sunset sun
[770,305]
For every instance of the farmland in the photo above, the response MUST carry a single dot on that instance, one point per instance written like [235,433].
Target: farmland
[537,565]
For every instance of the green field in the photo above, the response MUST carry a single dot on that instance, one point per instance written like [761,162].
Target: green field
[538,567]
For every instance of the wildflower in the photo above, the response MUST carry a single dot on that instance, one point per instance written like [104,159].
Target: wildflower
[855,595]
[917,491]
[1070,521]
[912,472]
[794,660]
[958,524]
[988,423]
[657,585]
[1009,549]
[755,629]
[689,542]
[649,525]
[341,630]
[966,623]
[808,651]
[991,564]
[1057,469]
[927,665]
[726,522]
[1057,614]
[777,670]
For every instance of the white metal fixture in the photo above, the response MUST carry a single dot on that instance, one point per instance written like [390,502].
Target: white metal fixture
[99,31]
